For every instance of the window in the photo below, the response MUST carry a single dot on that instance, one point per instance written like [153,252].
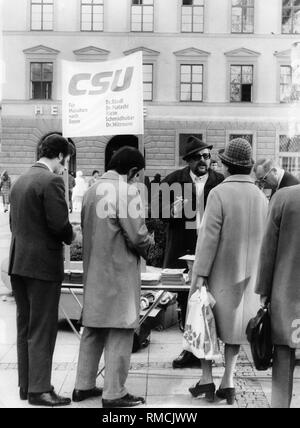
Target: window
[182,143]
[148,82]
[241,83]
[41,77]
[291,16]
[242,18]
[191,82]
[289,153]
[289,88]
[142,12]
[92,15]
[42,15]
[192,16]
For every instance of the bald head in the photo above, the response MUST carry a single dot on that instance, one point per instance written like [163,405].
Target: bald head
[267,172]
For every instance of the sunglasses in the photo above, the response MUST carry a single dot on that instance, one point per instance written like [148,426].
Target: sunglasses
[198,157]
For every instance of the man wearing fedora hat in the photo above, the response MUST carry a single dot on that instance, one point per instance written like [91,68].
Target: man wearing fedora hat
[182,230]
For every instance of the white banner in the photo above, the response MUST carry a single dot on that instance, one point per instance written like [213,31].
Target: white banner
[104,98]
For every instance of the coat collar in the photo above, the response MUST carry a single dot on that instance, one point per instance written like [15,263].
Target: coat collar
[113,175]
[41,165]
[239,179]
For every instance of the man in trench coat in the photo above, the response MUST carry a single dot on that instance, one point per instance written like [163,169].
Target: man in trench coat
[278,282]
[114,238]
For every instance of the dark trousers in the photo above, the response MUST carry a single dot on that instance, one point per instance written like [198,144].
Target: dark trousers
[182,300]
[117,346]
[37,316]
[282,376]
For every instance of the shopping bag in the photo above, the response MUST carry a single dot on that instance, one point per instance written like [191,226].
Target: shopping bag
[200,334]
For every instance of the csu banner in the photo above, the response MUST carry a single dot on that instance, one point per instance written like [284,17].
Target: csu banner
[104,98]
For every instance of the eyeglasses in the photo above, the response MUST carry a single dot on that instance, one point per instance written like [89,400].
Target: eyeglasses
[198,156]
[264,178]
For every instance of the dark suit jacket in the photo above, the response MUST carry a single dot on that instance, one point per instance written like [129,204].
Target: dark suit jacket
[40,224]
[180,240]
[288,180]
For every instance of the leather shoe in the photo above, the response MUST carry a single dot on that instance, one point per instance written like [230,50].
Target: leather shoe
[227,394]
[48,399]
[127,401]
[23,393]
[80,394]
[186,360]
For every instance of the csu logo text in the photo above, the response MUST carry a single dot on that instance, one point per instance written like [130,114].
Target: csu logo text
[99,83]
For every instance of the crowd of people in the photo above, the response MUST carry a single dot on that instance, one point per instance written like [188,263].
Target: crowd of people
[247,253]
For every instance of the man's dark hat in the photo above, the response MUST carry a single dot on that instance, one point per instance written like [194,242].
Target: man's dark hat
[193,145]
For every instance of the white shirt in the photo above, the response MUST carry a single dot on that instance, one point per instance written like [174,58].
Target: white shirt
[44,163]
[199,183]
[280,177]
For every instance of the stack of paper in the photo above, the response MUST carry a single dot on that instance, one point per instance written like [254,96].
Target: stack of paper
[172,277]
[150,278]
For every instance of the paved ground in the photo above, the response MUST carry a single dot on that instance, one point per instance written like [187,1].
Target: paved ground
[151,374]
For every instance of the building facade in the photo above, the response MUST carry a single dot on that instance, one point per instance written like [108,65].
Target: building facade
[214,68]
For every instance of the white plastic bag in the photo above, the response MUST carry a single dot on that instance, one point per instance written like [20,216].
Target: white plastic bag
[200,336]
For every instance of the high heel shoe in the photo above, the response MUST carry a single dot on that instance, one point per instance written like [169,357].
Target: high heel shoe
[227,394]
[207,389]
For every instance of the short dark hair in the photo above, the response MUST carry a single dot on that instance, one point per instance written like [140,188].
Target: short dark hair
[125,159]
[238,170]
[95,172]
[52,144]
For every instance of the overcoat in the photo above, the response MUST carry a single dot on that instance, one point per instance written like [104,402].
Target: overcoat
[279,269]
[114,238]
[181,232]
[227,253]
[288,180]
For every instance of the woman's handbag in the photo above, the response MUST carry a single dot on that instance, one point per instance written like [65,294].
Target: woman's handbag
[259,335]
[200,334]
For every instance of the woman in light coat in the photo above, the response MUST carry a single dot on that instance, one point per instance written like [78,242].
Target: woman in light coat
[227,258]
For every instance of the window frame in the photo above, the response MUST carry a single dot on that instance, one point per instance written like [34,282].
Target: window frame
[191,83]
[41,54]
[242,56]
[193,7]
[142,6]
[41,81]
[92,5]
[242,7]
[42,3]
[252,86]
[291,155]
[147,62]
[292,10]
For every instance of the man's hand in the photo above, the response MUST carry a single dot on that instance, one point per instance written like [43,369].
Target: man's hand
[197,283]
[177,207]
[264,301]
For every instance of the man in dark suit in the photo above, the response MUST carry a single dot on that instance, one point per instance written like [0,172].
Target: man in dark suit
[184,212]
[39,224]
[270,176]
